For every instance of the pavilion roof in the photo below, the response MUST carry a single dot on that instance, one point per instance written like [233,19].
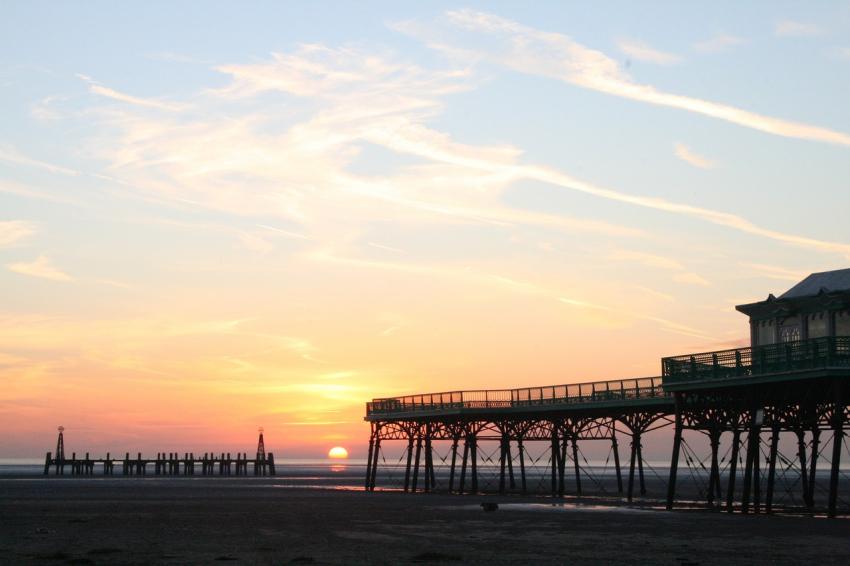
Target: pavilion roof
[817,283]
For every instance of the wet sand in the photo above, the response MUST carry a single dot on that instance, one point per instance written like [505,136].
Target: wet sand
[191,521]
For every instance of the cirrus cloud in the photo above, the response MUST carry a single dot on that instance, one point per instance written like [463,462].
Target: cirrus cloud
[41,267]
[12,231]
[532,51]
[791,28]
[687,155]
[643,52]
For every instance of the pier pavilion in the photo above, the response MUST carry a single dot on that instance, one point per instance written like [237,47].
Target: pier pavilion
[790,384]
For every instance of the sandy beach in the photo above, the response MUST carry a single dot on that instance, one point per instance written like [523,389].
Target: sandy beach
[209,520]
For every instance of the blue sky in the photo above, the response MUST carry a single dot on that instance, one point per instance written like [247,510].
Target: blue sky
[289,208]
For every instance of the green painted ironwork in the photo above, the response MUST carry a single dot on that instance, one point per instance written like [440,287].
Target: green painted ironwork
[816,353]
[598,392]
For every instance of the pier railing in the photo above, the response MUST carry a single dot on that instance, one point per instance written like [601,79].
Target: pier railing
[576,393]
[815,353]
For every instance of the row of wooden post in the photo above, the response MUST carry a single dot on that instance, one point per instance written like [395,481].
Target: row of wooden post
[170,464]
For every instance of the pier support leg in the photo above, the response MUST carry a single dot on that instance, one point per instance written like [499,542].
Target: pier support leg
[375,455]
[576,464]
[813,464]
[369,462]
[511,480]
[640,469]
[431,476]
[428,461]
[804,476]
[714,476]
[771,467]
[615,448]
[562,463]
[502,463]
[416,463]
[757,477]
[674,458]
[47,464]
[522,465]
[463,464]
[837,444]
[634,445]
[554,461]
[733,466]
[753,445]
[407,467]
[473,453]
[454,463]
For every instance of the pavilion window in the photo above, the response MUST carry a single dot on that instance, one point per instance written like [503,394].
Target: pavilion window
[842,323]
[818,325]
[766,333]
[789,329]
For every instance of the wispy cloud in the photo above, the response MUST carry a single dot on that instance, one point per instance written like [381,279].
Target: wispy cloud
[287,233]
[791,28]
[643,52]
[172,57]
[687,155]
[40,267]
[718,43]
[45,109]
[665,324]
[12,155]
[691,279]
[302,174]
[385,247]
[614,315]
[681,274]
[11,231]
[558,56]
[107,92]
[774,272]
[255,243]
[647,259]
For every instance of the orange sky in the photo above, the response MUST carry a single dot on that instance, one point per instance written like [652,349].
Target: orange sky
[203,233]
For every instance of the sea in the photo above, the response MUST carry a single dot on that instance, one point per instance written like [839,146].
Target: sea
[320,474]
[347,474]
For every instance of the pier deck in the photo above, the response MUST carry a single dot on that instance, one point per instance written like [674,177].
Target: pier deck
[797,389]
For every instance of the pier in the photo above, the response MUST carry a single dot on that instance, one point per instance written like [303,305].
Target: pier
[164,464]
[789,388]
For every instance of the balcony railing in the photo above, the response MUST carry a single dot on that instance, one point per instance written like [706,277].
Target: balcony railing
[578,393]
[815,353]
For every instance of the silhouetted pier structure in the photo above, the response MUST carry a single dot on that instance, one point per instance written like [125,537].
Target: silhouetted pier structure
[164,464]
[791,383]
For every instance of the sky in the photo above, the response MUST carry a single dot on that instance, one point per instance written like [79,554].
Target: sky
[216,216]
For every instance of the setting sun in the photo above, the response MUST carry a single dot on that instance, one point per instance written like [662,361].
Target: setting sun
[338,453]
